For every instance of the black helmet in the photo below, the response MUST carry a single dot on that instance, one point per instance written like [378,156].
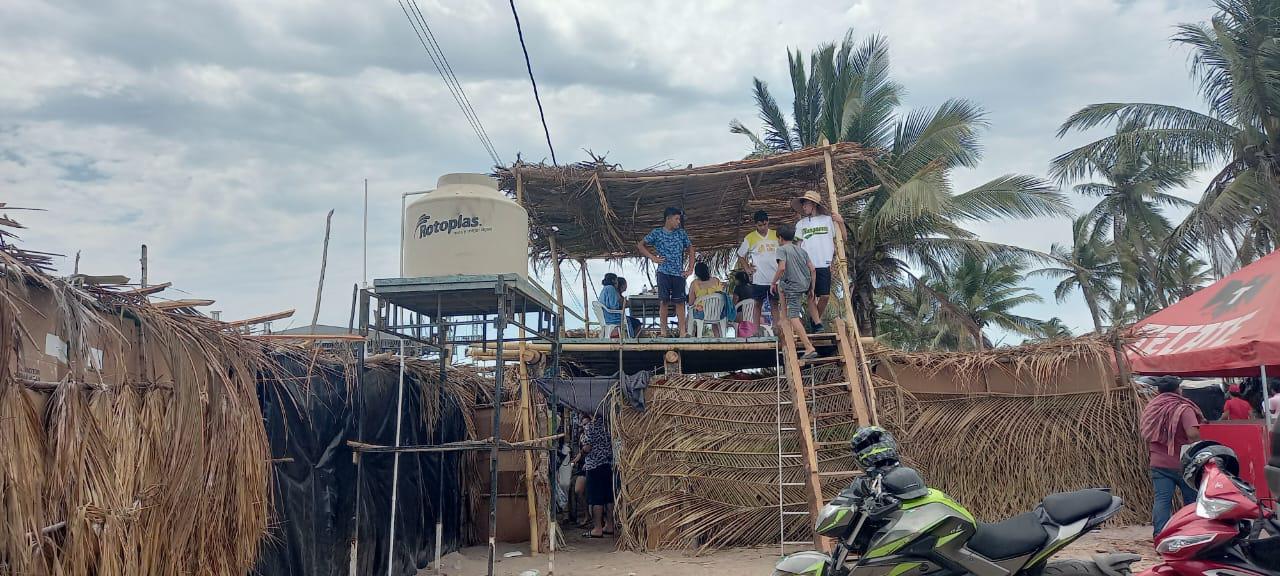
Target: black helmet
[1194,459]
[874,447]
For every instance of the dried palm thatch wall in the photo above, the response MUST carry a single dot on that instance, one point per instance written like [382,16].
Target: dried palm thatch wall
[699,468]
[142,451]
[1002,428]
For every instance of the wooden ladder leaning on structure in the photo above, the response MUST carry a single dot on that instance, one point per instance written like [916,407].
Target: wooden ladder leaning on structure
[829,398]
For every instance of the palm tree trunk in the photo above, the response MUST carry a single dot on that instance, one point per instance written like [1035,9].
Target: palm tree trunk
[1091,300]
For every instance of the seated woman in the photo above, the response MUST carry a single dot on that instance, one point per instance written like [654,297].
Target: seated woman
[633,324]
[611,298]
[703,284]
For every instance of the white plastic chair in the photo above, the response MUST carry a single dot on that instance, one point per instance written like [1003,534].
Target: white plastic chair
[600,311]
[746,311]
[712,313]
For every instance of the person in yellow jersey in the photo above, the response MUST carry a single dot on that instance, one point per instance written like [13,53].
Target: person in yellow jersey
[816,232]
[756,256]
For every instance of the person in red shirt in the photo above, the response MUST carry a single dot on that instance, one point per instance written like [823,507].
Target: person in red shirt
[1236,407]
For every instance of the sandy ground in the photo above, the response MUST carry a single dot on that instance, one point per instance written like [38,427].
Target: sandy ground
[599,558]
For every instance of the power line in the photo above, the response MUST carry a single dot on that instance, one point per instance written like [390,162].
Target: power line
[529,66]
[448,69]
[455,88]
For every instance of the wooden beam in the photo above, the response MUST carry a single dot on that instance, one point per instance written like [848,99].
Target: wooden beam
[866,372]
[858,194]
[188,303]
[260,319]
[147,290]
[586,298]
[852,374]
[804,428]
[671,363]
[334,337]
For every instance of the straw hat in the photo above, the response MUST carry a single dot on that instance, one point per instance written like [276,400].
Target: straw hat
[811,196]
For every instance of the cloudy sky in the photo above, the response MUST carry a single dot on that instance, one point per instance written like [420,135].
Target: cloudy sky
[220,133]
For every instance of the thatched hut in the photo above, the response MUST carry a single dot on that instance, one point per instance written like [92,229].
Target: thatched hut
[130,437]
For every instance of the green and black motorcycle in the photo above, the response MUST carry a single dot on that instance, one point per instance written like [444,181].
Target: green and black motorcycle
[889,523]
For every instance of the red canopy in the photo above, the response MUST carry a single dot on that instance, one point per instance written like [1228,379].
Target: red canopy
[1229,328]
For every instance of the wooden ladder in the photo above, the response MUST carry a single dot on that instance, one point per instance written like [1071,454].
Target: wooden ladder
[829,397]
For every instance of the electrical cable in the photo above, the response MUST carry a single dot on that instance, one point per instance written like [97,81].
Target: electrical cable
[454,91]
[536,98]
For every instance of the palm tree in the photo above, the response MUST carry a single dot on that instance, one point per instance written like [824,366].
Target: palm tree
[908,320]
[1055,329]
[1087,264]
[1132,195]
[903,213]
[981,293]
[1236,62]
[1183,276]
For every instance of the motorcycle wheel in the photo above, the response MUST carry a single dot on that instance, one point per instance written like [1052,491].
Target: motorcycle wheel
[1078,568]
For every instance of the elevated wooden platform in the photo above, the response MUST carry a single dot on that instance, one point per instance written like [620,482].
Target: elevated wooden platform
[696,355]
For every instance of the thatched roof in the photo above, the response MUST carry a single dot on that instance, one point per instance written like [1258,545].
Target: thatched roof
[601,210]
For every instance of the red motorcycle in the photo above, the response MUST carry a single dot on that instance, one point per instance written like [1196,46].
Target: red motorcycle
[1226,532]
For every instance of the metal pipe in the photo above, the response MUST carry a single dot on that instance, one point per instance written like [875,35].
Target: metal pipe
[1266,389]
[499,328]
[444,365]
[395,467]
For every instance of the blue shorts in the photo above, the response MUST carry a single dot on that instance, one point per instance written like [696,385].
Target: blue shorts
[671,288]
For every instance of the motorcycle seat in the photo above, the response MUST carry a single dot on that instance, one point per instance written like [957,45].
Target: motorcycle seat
[1014,537]
[1069,507]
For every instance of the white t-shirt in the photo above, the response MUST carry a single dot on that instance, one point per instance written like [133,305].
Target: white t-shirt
[817,236]
[1273,405]
[761,250]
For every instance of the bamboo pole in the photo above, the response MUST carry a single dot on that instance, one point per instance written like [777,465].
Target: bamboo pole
[526,432]
[555,262]
[586,298]
[851,374]
[840,270]
[324,261]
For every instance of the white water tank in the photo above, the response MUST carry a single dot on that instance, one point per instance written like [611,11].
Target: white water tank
[465,226]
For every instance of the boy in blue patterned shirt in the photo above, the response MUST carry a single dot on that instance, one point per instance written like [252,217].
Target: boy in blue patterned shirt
[673,253]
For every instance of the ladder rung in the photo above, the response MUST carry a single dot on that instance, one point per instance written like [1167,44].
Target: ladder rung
[787,429]
[793,484]
[784,403]
[829,474]
[828,386]
[798,543]
[789,513]
[790,455]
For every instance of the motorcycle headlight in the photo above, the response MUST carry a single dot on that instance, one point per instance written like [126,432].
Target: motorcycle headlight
[1173,544]
[1212,507]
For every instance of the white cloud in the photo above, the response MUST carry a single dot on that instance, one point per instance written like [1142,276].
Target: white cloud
[221,134]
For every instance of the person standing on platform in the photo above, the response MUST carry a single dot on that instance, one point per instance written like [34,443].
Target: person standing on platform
[1169,422]
[673,253]
[756,256]
[792,281]
[816,232]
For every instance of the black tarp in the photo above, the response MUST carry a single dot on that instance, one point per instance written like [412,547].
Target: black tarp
[309,420]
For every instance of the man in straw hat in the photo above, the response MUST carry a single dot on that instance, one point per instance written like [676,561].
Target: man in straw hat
[816,232]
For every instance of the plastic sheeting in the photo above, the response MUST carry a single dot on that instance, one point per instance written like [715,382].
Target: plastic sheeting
[309,420]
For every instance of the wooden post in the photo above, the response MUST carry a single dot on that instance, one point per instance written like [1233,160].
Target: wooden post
[519,185]
[555,262]
[804,428]
[840,270]
[852,374]
[324,261]
[671,363]
[526,431]
[866,373]
[586,302]
[143,260]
